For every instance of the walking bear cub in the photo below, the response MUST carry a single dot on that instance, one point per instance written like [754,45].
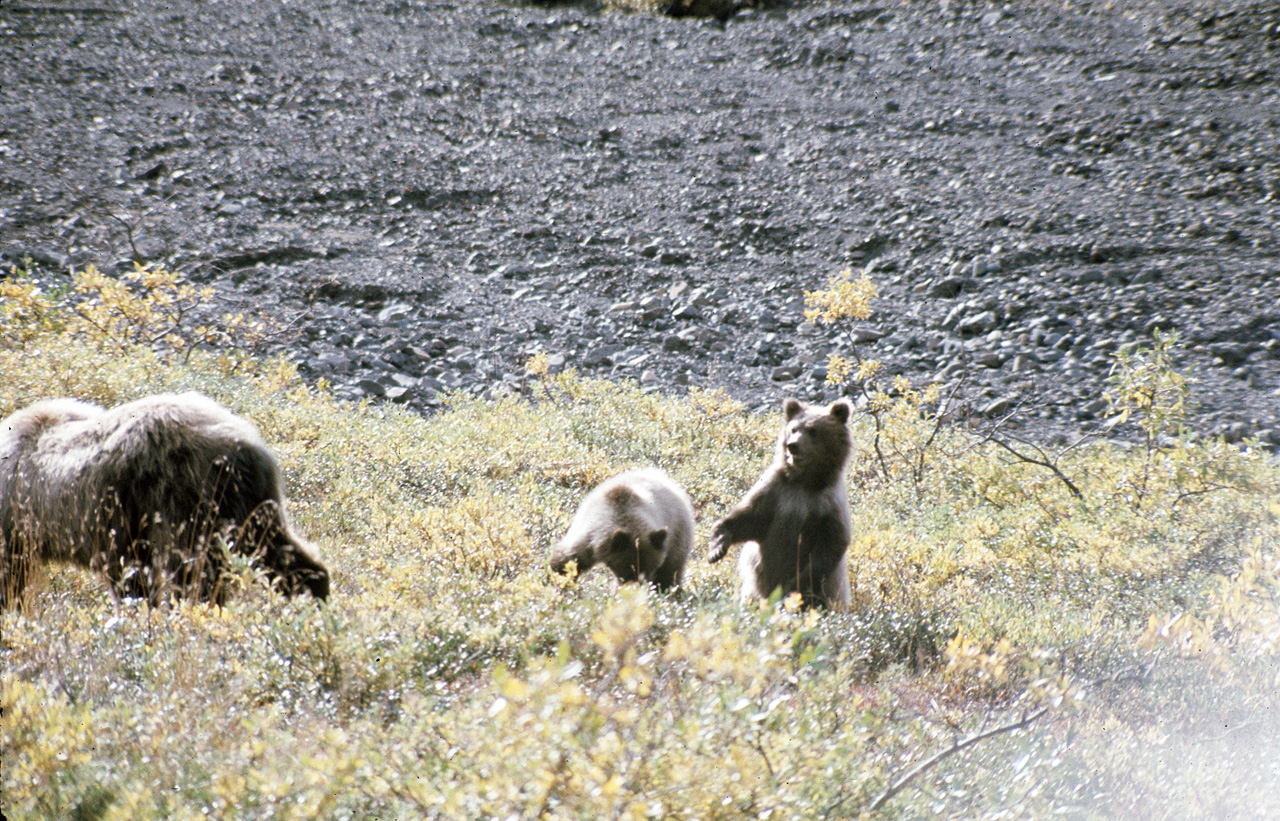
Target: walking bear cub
[639,524]
[139,493]
[795,520]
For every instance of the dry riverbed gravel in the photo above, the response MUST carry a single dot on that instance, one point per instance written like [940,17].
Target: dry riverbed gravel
[428,192]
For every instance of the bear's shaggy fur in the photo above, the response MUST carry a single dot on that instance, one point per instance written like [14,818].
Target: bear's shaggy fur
[795,520]
[139,493]
[639,524]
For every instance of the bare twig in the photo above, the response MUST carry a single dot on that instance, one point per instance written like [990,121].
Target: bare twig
[1204,491]
[128,231]
[1041,461]
[1134,673]
[871,409]
[933,760]
[937,428]
[767,765]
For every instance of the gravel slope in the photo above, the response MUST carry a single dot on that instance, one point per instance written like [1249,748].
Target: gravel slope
[432,191]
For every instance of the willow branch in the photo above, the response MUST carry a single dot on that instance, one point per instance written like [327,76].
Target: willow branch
[933,760]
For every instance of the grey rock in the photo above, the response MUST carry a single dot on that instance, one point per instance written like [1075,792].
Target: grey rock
[1234,432]
[600,355]
[1092,410]
[974,324]
[394,311]
[785,373]
[982,266]
[556,363]
[951,287]
[1025,364]
[698,334]
[333,362]
[459,352]
[417,352]
[999,407]
[674,342]
[514,271]
[1230,354]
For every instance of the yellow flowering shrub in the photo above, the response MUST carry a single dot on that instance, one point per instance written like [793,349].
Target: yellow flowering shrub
[44,741]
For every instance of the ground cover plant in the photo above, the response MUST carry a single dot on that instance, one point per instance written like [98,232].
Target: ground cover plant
[1019,644]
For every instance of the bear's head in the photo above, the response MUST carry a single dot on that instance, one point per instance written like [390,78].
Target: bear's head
[814,443]
[633,558]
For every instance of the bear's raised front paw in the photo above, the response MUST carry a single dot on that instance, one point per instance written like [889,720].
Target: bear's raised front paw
[718,546]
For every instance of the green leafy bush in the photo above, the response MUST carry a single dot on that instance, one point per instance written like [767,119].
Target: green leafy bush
[452,676]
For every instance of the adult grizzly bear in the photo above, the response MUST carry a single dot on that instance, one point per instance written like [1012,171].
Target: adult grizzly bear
[139,493]
[638,523]
[796,517]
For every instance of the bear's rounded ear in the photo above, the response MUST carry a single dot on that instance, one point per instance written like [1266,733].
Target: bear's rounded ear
[791,408]
[658,538]
[840,410]
[621,542]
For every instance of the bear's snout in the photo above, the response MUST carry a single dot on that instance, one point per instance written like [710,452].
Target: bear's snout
[794,447]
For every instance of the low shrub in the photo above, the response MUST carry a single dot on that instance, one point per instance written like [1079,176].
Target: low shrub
[1014,649]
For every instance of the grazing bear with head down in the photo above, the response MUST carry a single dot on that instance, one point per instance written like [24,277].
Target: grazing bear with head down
[639,524]
[147,493]
[796,517]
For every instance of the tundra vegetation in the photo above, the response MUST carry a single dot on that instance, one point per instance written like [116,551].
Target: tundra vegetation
[1091,631]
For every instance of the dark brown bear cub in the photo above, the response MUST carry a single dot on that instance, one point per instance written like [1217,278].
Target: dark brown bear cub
[795,520]
[639,524]
[148,493]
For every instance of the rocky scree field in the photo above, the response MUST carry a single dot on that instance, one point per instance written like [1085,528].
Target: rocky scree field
[425,194]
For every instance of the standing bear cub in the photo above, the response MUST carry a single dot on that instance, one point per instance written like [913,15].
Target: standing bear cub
[638,523]
[147,493]
[795,520]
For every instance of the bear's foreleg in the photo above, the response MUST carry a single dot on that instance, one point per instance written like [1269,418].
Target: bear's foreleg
[747,522]
[823,543]
[15,568]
